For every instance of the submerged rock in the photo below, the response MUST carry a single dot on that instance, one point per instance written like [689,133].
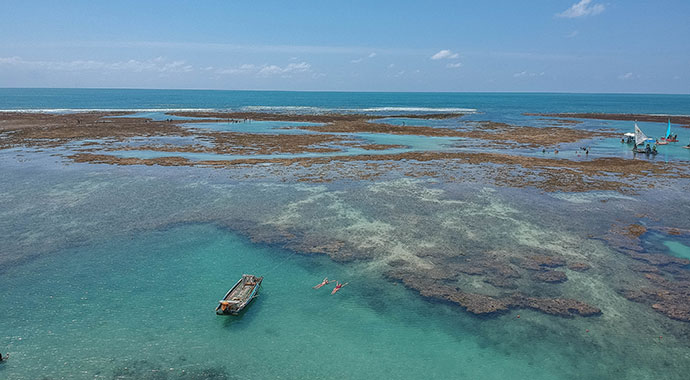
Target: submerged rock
[481,304]
[564,307]
[659,259]
[579,267]
[668,297]
[539,262]
[550,276]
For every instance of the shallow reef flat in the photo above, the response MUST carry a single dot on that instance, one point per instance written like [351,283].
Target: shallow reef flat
[482,220]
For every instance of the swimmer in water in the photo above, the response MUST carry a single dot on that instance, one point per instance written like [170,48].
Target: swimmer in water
[324,282]
[338,285]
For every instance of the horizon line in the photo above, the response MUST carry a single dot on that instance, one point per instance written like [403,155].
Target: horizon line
[344,91]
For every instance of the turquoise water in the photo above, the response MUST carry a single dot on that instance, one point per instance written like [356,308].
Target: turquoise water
[114,271]
[146,303]
[678,249]
[143,307]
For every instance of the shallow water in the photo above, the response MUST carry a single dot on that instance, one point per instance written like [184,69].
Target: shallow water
[97,310]
[136,257]
[678,249]
[142,306]
[255,126]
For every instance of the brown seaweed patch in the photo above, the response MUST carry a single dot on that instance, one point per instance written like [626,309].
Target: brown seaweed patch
[310,118]
[480,304]
[635,230]
[539,262]
[550,276]
[671,298]
[500,133]
[534,136]
[505,170]
[659,259]
[617,116]
[52,130]
[579,266]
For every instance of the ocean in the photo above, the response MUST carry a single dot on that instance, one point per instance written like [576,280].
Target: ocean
[114,272]
[286,101]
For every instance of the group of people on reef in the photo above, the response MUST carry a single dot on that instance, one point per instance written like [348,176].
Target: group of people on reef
[555,151]
[326,281]
[647,149]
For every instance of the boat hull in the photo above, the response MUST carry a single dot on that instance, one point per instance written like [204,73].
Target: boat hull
[240,295]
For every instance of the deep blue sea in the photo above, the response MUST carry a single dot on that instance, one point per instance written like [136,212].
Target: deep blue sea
[118,99]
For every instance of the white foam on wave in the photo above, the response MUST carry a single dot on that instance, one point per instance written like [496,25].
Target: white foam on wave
[285,109]
[414,109]
[288,109]
[77,110]
[669,115]
[365,109]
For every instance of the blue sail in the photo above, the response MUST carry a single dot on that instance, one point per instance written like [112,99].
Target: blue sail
[668,130]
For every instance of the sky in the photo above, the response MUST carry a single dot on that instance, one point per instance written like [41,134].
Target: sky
[595,46]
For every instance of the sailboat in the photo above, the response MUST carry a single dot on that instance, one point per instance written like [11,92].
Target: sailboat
[641,138]
[668,138]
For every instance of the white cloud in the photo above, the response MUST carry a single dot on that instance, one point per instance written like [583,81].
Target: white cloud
[241,69]
[266,70]
[159,65]
[359,60]
[626,76]
[572,34]
[444,54]
[525,74]
[581,9]
[454,65]
[271,70]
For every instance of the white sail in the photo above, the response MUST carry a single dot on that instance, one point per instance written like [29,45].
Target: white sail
[640,137]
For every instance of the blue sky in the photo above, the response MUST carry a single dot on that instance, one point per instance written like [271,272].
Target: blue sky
[540,45]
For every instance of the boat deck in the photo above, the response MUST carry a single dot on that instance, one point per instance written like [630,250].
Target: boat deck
[242,293]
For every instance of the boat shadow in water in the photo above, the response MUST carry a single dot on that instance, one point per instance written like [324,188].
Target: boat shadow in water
[246,317]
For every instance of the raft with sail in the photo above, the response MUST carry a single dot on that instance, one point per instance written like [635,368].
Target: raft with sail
[668,138]
[640,139]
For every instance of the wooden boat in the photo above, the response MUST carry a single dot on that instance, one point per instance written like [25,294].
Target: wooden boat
[240,295]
